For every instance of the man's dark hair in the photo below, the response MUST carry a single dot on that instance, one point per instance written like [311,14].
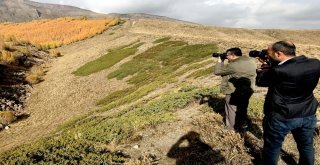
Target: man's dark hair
[286,47]
[236,51]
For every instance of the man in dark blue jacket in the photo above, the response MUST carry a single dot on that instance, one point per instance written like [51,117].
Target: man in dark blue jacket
[290,105]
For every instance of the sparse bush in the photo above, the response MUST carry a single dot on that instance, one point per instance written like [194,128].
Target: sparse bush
[162,40]
[8,47]
[7,117]
[255,109]
[35,75]
[202,72]
[10,38]
[206,108]
[8,57]
[24,50]
[187,87]
[193,66]
[33,78]
[55,53]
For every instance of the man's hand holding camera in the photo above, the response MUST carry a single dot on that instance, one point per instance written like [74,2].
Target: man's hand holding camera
[263,57]
[221,56]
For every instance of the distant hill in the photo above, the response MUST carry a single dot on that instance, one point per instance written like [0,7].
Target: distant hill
[141,16]
[25,10]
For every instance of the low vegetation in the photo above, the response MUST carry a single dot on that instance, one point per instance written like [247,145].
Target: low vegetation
[89,137]
[94,138]
[202,72]
[161,61]
[93,133]
[35,74]
[108,60]
[9,52]
[52,33]
[15,53]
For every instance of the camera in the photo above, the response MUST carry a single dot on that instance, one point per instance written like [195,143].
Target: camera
[223,56]
[263,54]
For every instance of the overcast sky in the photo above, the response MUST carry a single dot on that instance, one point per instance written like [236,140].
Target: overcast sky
[284,14]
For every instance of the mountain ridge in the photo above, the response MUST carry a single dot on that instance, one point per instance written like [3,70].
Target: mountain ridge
[26,10]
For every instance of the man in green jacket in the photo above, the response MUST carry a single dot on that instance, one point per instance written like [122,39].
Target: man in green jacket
[238,79]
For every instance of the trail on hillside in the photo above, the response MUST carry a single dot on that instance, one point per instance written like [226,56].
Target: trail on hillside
[63,96]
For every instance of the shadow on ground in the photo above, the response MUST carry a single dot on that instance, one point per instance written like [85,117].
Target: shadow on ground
[190,150]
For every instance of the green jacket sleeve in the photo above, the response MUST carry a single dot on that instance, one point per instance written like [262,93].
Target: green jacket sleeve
[222,70]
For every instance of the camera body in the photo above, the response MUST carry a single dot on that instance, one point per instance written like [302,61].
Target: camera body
[223,56]
[263,54]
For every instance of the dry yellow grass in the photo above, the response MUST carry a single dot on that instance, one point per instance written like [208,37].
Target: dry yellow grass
[8,56]
[7,117]
[54,33]
[55,53]
[35,75]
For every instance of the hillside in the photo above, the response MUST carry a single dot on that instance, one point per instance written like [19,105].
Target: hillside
[26,10]
[144,107]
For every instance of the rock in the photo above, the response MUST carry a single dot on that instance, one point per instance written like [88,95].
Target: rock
[7,127]
[136,146]
[1,126]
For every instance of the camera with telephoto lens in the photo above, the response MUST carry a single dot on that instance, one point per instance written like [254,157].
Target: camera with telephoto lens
[223,56]
[263,54]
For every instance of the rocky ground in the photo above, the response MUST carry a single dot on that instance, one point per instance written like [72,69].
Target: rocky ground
[14,89]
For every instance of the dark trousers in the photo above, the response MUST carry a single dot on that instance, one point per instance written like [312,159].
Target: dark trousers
[240,100]
[236,112]
[275,131]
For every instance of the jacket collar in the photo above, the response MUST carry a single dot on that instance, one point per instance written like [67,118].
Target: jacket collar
[295,59]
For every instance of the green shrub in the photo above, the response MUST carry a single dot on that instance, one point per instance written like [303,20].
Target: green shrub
[108,60]
[202,72]
[192,67]
[66,149]
[120,97]
[121,125]
[161,40]
[161,61]
[255,109]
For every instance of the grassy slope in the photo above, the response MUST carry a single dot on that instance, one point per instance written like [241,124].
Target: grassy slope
[85,139]
[94,131]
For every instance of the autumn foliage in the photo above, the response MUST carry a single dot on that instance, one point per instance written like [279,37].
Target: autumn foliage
[52,33]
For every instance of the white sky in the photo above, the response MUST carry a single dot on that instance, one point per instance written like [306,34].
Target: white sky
[284,14]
